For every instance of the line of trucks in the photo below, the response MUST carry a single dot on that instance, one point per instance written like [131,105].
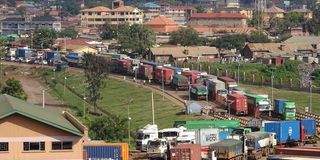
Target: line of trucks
[221,139]
[202,86]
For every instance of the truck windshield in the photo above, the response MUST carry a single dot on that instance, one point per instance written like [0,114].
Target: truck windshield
[167,134]
[264,107]
[154,143]
[140,136]
[291,110]
[250,143]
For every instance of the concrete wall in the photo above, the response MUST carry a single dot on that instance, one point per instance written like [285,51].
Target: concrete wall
[218,22]
[17,129]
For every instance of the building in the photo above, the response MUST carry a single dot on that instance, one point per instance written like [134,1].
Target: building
[311,40]
[162,24]
[227,4]
[218,20]
[151,10]
[167,54]
[22,25]
[32,132]
[245,12]
[98,16]
[264,50]
[295,31]
[179,14]
[307,14]
[221,31]
[273,12]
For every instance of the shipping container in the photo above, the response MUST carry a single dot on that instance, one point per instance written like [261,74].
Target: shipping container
[24,53]
[279,106]
[209,76]
[214,85]
[176,70]
[101,149]
[180,82]
[186,152]
[286,131]
[258,140]
[201,124]
[191,75]
[207,136]
[193,108]
[124,66]
[230,83]
[239,105]
[198,91]
[154,65]
[227,149]
[52,56]
[145,72]
[310,128]
[164,74]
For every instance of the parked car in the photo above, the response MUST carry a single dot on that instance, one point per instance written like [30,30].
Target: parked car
[44,62]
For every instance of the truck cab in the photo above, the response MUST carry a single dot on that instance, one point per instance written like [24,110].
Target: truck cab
[264,105]
[147,133]
[289,111]
[238,133]
[186,137]
[157,148]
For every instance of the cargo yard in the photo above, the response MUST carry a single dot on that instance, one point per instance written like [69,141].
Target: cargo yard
[236,124]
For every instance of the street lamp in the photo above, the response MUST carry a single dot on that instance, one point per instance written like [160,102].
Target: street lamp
[238,73]
[272,77]
[54,73]
[65,81]
[310,100]
[162,85]
[189,91]
[84,106]
[129,119]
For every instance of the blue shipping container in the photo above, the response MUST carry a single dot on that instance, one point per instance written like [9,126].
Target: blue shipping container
[23,53]
[286,131]
[52,55]
[309,126]
[279,105]
[176,69]
[154,65]
[103,152]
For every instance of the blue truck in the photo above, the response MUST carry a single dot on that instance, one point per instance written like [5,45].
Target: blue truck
[52,56]
[286,131]
[24,53]
[309,127]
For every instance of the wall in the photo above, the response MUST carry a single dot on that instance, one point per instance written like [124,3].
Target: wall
[17,129]
[219,22]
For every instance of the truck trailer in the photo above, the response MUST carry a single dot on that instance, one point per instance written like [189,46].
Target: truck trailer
[179,82]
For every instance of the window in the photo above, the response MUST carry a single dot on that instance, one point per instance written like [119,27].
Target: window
[33,146]
[4,146]
[99,13]
[61,145]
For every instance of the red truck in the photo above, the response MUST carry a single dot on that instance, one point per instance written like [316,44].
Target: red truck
[239,105]
[145,72]
[167,75]
[230,83]
[124,66]
[192,76]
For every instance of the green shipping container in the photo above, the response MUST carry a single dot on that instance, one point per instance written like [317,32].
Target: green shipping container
[202,124]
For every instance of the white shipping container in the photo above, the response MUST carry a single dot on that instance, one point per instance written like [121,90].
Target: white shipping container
[205,137]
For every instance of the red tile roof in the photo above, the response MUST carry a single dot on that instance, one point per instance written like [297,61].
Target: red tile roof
[218,15]
[161,20]
[72,42]
[96,9]
[220,29]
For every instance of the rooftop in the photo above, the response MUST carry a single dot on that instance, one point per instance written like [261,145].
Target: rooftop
[182,7]
[179,51]
[44,18]
[125,9]
[218,15]
[274,9]
[97,9]
[161,20]
[304,39]
[11,105]
[301,10]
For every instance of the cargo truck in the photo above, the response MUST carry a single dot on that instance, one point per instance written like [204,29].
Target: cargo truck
[157,149]
[163,74]
[200,124]
[124,66]
[310,128]
[175,69]
[285,109]
[228,149]
[52,56]
[258,104]
[198,92]
[239,105]
[179,82]
[191,75]
[287,131]
[186,152]
[149,132]
[230,83]
[260,144]
[214,85]
[145,72]
[171,134]
[186,137]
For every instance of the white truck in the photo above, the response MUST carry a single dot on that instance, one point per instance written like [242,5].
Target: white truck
[186,137]
[157,149]
[171,134]
[147,133]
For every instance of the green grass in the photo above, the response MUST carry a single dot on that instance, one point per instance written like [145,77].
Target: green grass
[301,98]
[116,96]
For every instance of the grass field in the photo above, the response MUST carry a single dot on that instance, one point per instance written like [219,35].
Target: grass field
[301,98]
[116,96]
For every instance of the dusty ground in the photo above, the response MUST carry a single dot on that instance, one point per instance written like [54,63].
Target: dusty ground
[34,89]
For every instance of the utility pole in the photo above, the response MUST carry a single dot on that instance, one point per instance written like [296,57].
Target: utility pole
[65,81]
[43,101]
[162,85]
[310,100]
[189,91]
[238,73]
[129,119]
[152,105]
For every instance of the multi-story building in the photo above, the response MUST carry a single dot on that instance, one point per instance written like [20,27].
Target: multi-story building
[21,25]
[36,133]
[97,16]
[179,14]
[150,10]
[218,20]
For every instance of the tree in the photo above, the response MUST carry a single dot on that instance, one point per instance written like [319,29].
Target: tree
[185,37]
[69,32]
[96,71]
[313,25]
[138,38]
[70,7]
[2,54]
[14,88]
[43,37]
[258,37]
[108,128]
[109,31]
[293,19]
[228,42]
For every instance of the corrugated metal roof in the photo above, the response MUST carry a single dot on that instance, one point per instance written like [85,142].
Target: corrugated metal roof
[10,105]
[304,39]
[218,15]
